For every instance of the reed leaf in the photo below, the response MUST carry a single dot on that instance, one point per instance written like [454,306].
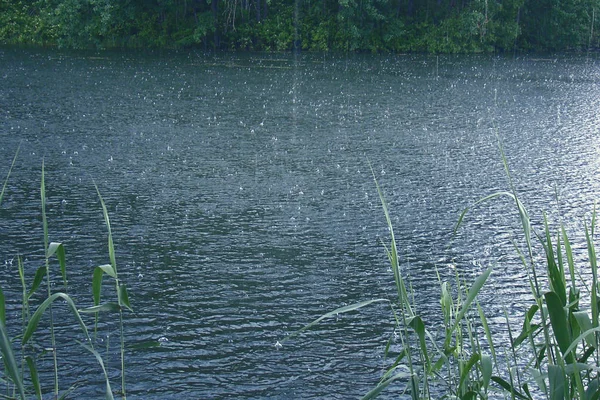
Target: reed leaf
[37,281]
[37,315]
[471,295]
[581,337]
[390,371]
[556,378]
[108,270]
[487,366]
[509,388]
[10,362]
[109,395]
[124,297]
[59,250]
[592,391]
[569,254]
[113,263]
[539,378]
[2,308]
[97,280]
[419,327]
[381,386]
[106,307]
[593,264]
[48,285]
[558,320]
[35,379]
[571,369]
[583,319]
[467,369]
[555,275]
[487,331]
[528,328]
[482,200]
[340,310]
[111,246]
[8,174]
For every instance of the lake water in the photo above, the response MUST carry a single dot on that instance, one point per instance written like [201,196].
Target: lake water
[243,205]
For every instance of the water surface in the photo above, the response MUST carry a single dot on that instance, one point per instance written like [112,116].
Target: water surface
[243,205]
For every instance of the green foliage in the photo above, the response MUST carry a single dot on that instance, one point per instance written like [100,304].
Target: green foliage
[557,346]
[30,352]
[446,26]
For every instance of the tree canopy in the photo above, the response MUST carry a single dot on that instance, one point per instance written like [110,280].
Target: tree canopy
[444,26]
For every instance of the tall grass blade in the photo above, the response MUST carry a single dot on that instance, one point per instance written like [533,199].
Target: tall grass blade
[487,366]
[482,200]
[8,174]
[59,250]
[583,320]
[109,395]
[341,310]
[528,328]
[124,297]
[487,331]
[37,315]
[592,391]
[35,379]
[381,386]
[37,281]
[581,337]
[393,252]
[111,246]
[47,265]
[471,295]
[467,369]
[556,378]
[24,297]
[106,307]
[540,379]
[2,308]
[558,320]
[419,327]
[97,280]
[113,263]
[10,362]
[43,198]
[569,253]
[414,384]
[593,264]
[394,366]
[525,221]
[555,275]
[509,388]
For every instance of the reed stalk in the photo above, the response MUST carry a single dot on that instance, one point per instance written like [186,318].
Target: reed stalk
[15,363]
[559,338]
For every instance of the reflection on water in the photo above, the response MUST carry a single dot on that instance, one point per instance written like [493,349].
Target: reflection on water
[243,205]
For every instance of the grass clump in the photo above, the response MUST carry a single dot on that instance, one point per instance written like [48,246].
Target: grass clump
[555,354]
[20,353]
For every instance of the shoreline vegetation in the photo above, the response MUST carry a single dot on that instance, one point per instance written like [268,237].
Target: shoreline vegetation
[23,352]
[456,356]
[398,26]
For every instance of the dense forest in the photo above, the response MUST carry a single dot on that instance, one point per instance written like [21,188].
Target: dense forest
[438,26]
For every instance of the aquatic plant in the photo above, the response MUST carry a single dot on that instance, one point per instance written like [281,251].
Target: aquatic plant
[557,344]
[20,374]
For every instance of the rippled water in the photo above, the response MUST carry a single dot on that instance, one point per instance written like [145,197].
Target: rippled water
[243,205]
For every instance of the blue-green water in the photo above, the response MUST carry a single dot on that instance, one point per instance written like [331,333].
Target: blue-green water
[243,204]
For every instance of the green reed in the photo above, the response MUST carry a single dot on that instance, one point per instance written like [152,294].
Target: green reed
[20,384]
[555,353]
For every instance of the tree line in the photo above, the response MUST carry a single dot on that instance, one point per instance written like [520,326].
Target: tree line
[436,26]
